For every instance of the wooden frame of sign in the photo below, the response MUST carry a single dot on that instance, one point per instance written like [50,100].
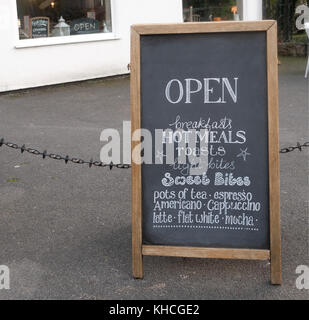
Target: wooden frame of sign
[138,248]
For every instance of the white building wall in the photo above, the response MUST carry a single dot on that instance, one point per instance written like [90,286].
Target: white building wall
[25,67]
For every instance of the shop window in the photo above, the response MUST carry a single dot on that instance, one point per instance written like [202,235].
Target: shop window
[210,10]
[48,18]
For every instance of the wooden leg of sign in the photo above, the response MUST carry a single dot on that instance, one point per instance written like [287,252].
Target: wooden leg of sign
[275,265]
[137,259]
[137,256]
[273,152]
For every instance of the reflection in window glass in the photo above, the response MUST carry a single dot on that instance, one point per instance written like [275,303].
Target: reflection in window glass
[54,18]
[210,10]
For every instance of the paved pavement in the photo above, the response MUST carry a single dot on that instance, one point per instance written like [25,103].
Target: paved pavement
[65,230]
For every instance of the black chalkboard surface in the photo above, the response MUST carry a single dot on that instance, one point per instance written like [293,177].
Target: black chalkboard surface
[40,27]
[219,82]
[241,151]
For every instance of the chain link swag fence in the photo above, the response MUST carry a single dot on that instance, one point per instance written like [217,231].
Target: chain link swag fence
[92,163]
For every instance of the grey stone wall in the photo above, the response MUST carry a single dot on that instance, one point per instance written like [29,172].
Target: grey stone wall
[292,49]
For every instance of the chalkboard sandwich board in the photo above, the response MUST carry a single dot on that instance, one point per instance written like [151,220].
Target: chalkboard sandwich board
[217,81]
[39,27]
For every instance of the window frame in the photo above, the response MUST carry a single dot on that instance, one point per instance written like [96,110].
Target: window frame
[52,41]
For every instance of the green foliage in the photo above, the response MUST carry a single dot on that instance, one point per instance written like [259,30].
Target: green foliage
[300,38]
[284,12]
